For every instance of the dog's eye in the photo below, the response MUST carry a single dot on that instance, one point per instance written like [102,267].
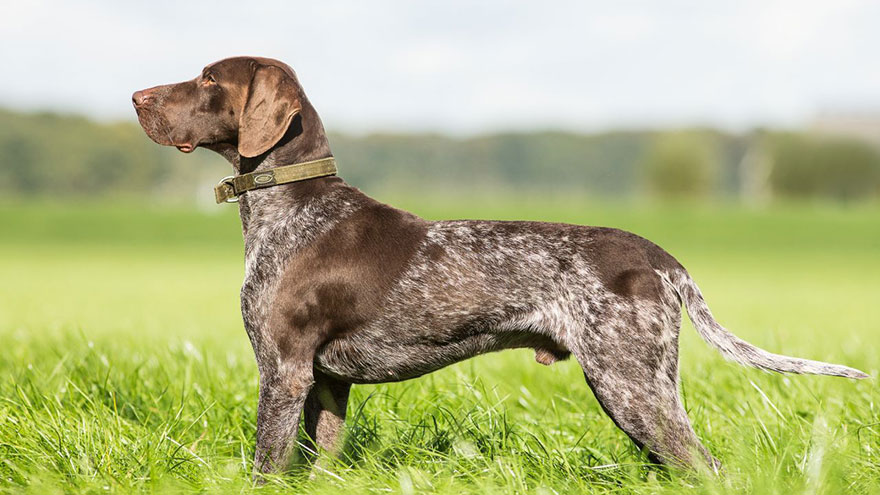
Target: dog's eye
[209,79]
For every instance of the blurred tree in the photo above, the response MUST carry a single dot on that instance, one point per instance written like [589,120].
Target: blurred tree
[805,166]
[47,154]
[683,164]
[21,170]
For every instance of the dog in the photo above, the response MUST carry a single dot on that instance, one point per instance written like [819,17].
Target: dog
[341,289]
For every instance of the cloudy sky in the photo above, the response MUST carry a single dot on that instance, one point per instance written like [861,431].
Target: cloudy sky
[464,66]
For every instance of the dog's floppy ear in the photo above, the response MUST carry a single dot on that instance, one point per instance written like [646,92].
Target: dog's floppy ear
[272,102]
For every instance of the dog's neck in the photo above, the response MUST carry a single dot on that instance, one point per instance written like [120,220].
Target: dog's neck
[305,140]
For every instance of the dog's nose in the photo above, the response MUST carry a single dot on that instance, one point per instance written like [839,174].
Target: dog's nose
[140,98]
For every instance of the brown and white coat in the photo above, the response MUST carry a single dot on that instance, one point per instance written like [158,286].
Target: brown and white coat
[340,289]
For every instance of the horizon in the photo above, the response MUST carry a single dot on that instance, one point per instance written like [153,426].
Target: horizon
[833,128]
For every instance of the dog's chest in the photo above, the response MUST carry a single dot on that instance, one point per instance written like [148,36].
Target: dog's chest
[275,234]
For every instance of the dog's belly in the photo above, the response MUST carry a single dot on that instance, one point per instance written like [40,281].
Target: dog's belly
[357,360]
[370,358]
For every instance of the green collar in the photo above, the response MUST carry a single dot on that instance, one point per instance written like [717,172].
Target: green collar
[229,188]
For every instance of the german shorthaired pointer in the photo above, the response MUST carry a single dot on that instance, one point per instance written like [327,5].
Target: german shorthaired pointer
[342,289]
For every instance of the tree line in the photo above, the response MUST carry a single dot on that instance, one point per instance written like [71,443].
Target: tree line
[45,154]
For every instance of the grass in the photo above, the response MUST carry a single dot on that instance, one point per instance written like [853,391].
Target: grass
[125,368]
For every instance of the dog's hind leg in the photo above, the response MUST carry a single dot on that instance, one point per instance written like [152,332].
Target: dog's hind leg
[631,364]
[324,414]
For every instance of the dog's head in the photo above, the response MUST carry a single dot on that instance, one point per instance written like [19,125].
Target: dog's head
[246,103]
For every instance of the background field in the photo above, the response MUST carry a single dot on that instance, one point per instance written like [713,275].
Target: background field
[125,365]
[744,137]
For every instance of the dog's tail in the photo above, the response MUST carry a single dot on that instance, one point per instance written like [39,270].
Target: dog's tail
[736,349]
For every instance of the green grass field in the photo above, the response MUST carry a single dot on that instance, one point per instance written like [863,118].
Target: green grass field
[125,367]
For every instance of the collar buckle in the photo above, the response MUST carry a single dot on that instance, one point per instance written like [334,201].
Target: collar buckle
[224,191]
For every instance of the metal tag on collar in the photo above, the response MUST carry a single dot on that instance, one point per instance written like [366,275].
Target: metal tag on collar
[264,179]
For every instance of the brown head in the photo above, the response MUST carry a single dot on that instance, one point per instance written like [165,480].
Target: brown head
[239,107]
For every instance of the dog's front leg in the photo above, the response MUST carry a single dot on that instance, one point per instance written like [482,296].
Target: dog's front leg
[283,394]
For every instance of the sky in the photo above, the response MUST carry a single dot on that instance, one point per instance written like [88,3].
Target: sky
[464,67]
